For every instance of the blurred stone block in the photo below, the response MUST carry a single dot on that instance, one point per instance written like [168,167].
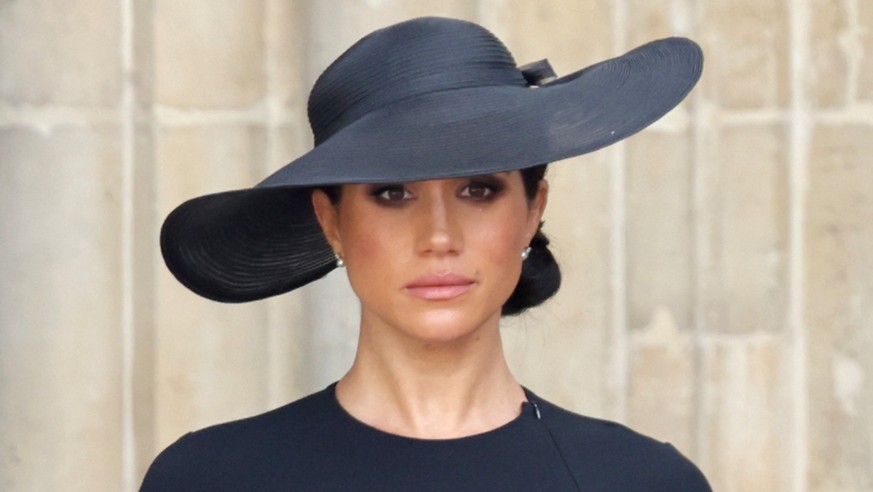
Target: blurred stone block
[65,54]
[659,245]
[60,309]
[866,73]
[142,270]
[461,9]
[839,308]
[746,233]
[828,64]
[655,19]
[754,237]
[746,414]
[747,47]
[661,391]
[194,160]
[335,25]
[572,35]
[209,54]
[142,66]
[286,54]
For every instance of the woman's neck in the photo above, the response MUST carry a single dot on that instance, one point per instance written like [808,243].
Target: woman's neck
[431,391]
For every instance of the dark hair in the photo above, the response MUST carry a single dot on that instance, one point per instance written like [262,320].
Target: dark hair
[540,274]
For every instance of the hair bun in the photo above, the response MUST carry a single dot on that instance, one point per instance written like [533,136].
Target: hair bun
[540,278]
[539,240]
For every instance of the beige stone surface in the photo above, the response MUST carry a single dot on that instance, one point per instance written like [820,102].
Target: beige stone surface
[750,240]
[839,257]
[745,414]
[60,302]
[285,55]
[571,34]
[334,25]
[828,76]
[60,55]
[746,42]
[209,54]
[662,391]
[865,42]
[742,227]
[660,256]
[195,160]
[143,268]
[660,250]
[655,19]
[141,39]
[390,11]
[331,336]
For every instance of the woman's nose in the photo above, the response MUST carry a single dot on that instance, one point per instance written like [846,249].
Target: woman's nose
[438,226]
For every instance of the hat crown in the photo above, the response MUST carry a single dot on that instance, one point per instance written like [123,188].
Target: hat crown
[410,59]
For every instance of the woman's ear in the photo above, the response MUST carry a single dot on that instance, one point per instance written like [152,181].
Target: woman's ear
[538,208]
[328,217]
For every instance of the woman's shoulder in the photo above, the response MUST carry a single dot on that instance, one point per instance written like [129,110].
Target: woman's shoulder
[612,456]
[216,457]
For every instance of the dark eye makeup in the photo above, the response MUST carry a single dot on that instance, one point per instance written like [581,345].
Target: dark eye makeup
[482,188]
[476,188]
[390,193]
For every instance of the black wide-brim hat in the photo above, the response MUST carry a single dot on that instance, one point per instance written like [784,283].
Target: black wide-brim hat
[425,99]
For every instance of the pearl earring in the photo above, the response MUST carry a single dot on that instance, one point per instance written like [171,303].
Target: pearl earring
[525,253]
[340,263]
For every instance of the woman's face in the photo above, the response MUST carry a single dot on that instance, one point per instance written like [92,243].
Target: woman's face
[433,260]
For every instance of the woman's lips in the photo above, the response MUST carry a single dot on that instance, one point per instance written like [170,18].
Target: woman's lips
[439,287]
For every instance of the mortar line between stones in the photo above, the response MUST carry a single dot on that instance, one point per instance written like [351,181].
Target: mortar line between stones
[270,117]
[619,357]
[128,434]
[698,204]
[798,155]
[44,118]
[854,51]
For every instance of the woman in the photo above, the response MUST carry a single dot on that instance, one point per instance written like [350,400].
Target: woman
[426,184]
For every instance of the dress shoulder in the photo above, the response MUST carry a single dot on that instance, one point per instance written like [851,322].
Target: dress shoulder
[237,453]
[605,455]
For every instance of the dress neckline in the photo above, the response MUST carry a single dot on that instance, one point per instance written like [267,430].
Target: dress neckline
[528,412]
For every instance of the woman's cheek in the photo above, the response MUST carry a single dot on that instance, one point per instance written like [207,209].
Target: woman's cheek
[369,234]
[502,240]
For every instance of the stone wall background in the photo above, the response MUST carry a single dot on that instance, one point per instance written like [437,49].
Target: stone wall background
[719,266]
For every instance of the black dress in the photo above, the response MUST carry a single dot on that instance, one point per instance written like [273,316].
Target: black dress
[313,444]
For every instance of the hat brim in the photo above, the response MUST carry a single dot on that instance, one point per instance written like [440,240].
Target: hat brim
[250,244]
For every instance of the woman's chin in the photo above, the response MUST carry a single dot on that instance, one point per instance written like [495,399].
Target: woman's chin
[446,326]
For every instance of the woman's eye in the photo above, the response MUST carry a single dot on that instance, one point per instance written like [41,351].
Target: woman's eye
[392,193]
[478,191]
